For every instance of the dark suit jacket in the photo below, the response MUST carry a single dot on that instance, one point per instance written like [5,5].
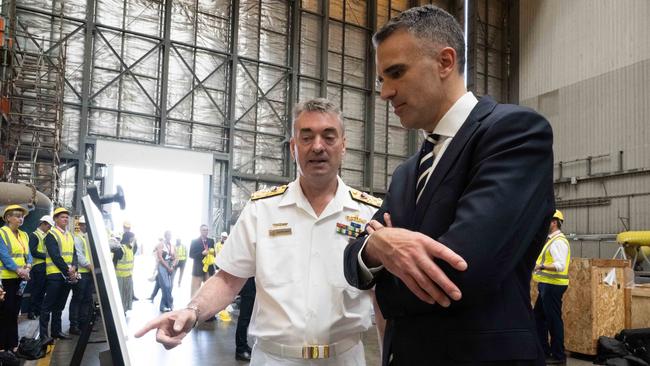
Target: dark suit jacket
[490,200]
[196,250]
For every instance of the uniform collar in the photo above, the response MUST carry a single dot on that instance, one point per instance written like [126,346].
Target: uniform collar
[451,122]
[59,230]
[556,232]
[40,231]
[342,198]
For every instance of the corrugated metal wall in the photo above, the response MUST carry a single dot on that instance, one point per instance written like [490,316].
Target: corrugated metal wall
[585,65]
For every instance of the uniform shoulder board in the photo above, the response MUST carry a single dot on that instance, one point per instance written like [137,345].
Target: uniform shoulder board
[269,192]
[365,198]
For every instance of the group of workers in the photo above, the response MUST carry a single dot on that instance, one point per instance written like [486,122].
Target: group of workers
[46,264]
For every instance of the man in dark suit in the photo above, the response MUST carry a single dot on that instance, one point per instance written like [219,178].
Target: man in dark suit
[198,250]
[453,246]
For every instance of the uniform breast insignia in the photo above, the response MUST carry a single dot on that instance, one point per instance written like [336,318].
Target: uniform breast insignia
[354,228]
[365,198]
[280,229]
[269,192]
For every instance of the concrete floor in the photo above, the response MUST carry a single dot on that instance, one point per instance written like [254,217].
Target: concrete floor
[213,343]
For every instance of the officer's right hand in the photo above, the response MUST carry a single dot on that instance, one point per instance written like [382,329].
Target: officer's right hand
[171,327]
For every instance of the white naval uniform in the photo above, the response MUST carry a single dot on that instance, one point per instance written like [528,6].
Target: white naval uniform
[302,295]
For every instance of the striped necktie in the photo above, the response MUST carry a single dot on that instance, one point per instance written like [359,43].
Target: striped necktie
[426,163]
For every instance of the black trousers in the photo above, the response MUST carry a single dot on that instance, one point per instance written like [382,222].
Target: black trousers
[548,317]
[9,314]
[56,295]
[82,298]
[36,290]
[247,294]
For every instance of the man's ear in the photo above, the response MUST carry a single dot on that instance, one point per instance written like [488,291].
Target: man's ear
[447,61]
[292,147]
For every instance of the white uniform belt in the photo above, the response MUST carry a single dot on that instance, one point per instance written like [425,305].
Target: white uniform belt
[311,351]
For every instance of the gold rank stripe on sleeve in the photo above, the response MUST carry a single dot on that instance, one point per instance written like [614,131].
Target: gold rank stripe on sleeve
[365,198]
[269,192]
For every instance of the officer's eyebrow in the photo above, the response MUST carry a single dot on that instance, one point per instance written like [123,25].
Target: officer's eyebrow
[327,130]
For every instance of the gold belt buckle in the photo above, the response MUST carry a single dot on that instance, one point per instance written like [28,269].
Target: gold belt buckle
[315,351]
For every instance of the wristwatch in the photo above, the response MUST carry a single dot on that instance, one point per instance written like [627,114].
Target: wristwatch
[197,312]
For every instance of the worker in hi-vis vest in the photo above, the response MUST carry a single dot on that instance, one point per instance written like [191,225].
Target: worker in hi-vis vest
[60,273]
[181,256]
[15,266]
[552,276]
[36,284]
[81,304]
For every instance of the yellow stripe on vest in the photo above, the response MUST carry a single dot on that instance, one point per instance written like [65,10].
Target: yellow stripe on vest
[18,248]
[545,258]
[66,247]
[125,264]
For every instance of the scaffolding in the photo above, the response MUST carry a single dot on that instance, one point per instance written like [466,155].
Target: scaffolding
[32,95]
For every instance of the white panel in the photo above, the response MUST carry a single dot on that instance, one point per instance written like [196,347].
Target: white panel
[153,157]
[563,42]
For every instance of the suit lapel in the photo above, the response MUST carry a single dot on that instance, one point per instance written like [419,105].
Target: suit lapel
[482,109]
[410,167]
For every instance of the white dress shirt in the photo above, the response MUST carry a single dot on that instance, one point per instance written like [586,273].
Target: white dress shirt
[559,251]
[302,295]
[447,128]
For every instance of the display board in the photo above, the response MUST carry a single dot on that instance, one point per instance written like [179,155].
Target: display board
[106,284]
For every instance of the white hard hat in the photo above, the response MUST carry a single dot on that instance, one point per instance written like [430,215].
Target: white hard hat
[48,219]
[82,219]
[224,233]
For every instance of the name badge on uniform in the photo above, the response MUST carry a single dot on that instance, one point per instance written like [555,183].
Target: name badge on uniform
[356,219]
[280,229]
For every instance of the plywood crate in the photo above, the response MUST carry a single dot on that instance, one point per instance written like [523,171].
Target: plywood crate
[591,307]
[640,306]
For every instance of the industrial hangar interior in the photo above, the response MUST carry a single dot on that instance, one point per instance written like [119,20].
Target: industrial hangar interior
[187,106]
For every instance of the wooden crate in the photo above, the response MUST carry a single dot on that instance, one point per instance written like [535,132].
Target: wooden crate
[640,307]
[591,307]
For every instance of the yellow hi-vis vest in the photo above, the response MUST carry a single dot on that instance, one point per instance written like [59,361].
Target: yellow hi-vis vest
[18,248]
[82,237]
[545,258]
[40,247]
[125,264]
[181,253]
[66,247]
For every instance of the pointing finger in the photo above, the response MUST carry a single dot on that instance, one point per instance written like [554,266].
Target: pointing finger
[153,324]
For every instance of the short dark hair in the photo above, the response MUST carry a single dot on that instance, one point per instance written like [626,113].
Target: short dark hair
[427,22]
